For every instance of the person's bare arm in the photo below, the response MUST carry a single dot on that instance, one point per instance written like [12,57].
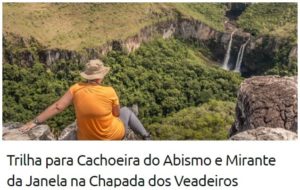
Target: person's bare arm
[51,111]
[116,110]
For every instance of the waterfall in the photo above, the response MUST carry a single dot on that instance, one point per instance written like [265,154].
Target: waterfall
[227,56]
[240,57]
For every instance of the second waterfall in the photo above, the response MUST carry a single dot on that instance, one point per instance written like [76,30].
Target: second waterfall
[240,57]
[227,56]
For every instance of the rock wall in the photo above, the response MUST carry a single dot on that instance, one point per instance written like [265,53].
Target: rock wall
[42,132]
[261,53]
[181,28]
[258,57]
[265,104]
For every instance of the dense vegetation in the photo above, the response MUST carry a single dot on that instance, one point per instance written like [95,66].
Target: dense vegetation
[276,19]
[211,121]
[162,77]
[282,64]
[212,14]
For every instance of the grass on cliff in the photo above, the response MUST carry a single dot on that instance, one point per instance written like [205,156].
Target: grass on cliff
[212,14]
[77,25]
[275,19]
[74,26]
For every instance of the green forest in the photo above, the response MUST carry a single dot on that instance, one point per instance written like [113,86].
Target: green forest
[162,77]
[275,19]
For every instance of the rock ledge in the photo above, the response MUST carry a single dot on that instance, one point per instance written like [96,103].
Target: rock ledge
[266,109]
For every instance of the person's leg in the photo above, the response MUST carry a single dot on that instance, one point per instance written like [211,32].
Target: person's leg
[131,121]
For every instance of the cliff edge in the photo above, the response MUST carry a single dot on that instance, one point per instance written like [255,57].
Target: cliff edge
[43,132]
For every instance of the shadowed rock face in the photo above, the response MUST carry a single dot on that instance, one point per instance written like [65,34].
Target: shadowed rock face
[235,10]
[258,57]
[266,102]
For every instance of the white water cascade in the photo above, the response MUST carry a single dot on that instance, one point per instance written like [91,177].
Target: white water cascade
[227,56]
[240,57]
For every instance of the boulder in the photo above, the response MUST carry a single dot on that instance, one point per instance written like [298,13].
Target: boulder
[266,102]
[130,135]
[264,133]
[69,133]
[41,132]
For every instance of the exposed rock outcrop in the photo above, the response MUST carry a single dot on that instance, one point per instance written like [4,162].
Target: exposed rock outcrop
[266,103]
[265,133]
[261,49]
[69,132]
[41,132]
[293,53]
[50,57]
[183,28]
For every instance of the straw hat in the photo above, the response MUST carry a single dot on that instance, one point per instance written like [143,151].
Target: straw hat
[94,69]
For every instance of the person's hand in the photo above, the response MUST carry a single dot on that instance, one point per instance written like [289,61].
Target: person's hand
[25,128]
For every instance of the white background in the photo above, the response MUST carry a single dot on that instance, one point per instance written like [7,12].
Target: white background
[285,175]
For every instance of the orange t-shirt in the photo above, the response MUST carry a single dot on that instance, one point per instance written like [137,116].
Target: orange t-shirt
[93,106]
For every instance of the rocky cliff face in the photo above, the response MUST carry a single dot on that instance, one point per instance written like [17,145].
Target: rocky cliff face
[258,57]
[266,108]
[186,29]
[261,54]
[25,52]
